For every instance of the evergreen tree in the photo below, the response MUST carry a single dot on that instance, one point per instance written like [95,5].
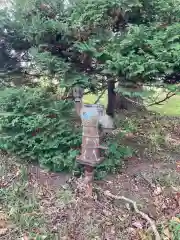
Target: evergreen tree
[88,42]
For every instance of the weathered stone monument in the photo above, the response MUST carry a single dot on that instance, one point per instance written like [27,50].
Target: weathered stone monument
[92,116]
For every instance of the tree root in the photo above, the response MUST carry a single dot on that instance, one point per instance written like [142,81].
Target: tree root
[145,216]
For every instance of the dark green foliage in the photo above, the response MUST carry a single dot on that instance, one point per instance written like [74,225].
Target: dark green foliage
[113,158]
[36,127]
[175,228]
[86,42]
[76,41]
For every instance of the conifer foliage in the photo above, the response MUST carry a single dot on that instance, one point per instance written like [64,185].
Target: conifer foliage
[85,41]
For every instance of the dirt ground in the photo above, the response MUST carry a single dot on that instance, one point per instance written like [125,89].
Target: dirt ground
[36,204]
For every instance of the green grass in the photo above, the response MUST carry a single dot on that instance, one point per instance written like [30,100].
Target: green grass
[91,98]
[171,107]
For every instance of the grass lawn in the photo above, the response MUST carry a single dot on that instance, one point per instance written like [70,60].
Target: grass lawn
[91,98]
[171,107]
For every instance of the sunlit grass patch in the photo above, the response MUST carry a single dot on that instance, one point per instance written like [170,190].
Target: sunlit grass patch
[91,98]
[170,107]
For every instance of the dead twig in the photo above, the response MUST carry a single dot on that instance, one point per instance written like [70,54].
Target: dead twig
[145,216]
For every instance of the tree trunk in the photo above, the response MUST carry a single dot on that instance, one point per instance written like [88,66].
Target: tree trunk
[130,103]
[111,98]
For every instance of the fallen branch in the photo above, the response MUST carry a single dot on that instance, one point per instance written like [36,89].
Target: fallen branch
[145,216]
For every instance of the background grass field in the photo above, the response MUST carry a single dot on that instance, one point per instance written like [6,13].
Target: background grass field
[170,107]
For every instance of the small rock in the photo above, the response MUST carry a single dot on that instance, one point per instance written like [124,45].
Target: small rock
[136,189]
[137,225]
[3,231]
[106,213]
[109,182]
[129,135]
[132,231]
[25,237]
[157,191]
[2,216]
[128,206]
[108,223]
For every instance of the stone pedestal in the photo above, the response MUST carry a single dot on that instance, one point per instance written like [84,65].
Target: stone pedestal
[90,151]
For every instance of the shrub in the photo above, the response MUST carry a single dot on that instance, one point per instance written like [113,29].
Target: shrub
[34,126]
[113,159]
[174,226]
[114,156]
